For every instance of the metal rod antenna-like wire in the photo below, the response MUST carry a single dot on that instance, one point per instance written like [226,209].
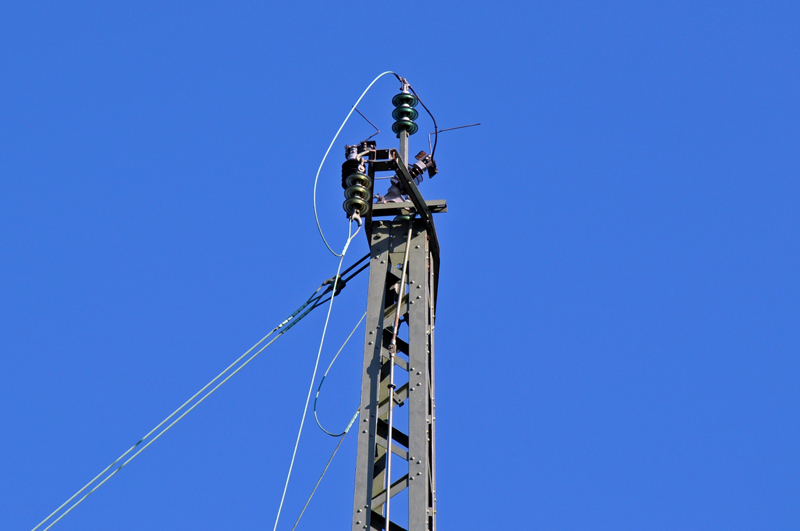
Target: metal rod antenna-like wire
[370,123]
[392,350]
[448,129]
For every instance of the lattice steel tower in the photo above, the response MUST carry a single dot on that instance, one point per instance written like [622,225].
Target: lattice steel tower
[396,430]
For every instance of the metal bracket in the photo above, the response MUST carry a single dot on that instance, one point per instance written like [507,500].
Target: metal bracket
[424,213]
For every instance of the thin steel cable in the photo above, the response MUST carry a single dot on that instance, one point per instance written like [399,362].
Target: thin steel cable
[344,282]
[316,398]
[162,432]
[355,264]
[449,129]
[289,320]
[316,365]
[341,439]
[316,179]
[362,268]
[150,432]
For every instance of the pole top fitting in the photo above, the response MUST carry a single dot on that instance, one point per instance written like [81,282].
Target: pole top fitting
[404,84]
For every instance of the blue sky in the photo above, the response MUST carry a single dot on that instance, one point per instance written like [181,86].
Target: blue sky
[617,334]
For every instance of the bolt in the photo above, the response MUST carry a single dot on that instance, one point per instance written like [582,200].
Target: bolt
[365,431]
[416,247]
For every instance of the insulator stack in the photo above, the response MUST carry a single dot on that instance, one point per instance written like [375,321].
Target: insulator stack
[404,113]
[358,196]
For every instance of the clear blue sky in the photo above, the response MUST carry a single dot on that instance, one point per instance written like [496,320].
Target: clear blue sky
[617,341]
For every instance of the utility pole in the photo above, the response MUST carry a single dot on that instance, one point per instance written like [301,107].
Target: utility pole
[396,461]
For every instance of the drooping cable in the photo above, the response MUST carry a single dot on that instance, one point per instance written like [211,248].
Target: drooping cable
[283,327]
[316,397]
[316,179]
[350,237]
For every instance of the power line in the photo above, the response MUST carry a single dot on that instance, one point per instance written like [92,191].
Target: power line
[315,300]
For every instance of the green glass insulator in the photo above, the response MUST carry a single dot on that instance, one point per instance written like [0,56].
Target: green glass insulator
[358,191]
[356,204]
[404,98]
[358,179]
[404,125]
[405,112]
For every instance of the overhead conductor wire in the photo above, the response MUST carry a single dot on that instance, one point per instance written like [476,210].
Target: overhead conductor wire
[336,279]
[313,302]
[316,179]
